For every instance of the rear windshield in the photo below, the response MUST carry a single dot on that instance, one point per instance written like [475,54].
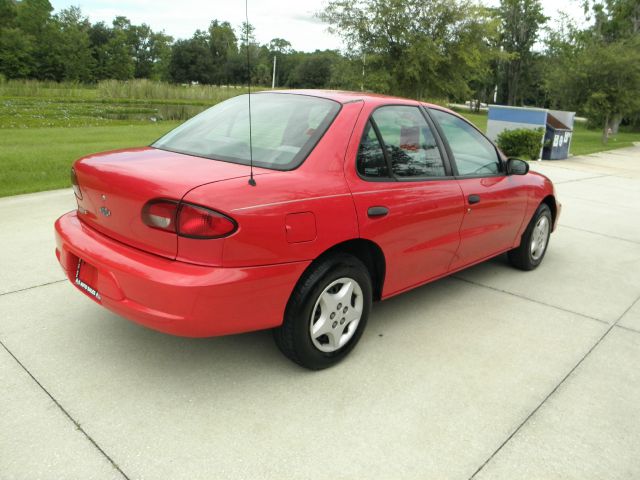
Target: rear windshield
[284,129]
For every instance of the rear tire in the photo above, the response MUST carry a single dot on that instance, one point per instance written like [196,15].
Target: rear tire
[534,242]
[327,312]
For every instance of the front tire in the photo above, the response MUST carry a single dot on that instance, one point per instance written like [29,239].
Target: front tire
[327,312]
[535,240]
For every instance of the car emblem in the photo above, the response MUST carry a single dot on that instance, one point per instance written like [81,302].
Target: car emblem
[105,211]
[104,197]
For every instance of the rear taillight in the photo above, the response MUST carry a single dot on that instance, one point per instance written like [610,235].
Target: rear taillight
[187,220]
[200,222]
[75,184]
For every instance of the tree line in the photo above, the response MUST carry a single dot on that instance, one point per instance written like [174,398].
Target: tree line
[37,44]
[453,50]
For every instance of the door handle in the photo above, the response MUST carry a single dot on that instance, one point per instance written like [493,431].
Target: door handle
[377,212]
[474,199]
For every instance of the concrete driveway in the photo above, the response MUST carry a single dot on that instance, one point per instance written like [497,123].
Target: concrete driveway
[493,373]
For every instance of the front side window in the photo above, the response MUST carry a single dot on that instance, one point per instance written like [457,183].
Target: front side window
[410,146]
[284,130]
[473,153]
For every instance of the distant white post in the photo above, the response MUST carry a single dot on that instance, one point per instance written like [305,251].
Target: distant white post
[364,64]
[273,80]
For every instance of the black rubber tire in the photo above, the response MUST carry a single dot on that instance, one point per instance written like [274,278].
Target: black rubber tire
[293,337]
[520,257]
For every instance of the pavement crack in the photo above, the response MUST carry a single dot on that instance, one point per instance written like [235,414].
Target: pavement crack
[66,413]
[32,287]
[554,390]
[628,329]
[523,297]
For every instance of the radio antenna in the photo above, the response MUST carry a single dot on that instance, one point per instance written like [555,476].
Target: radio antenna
[252,181]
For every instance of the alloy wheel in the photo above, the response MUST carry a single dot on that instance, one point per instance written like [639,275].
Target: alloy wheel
[539,237]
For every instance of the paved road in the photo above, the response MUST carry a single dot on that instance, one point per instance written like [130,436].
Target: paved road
[493,373]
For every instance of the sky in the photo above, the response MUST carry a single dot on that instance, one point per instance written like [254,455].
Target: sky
[292,20]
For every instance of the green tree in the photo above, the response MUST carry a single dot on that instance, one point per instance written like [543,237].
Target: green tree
[559,69]
[160,56]
[596,70]
[34,21]
[140,39]
[260,73]
[33,15]
[73,48]
[610,80]
[284,53]
[346,72]
[120,63]
[280,46]
[16,53]
[521,22]
[191,60]
[224,46]
[314,71]
[614,19]
[148,49]
[99,35]
[419,48]
[8,13]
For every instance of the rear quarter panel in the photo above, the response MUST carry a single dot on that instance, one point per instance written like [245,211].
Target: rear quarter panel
[317,187]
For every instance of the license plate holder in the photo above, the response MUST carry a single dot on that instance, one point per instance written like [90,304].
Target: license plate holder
[86,274]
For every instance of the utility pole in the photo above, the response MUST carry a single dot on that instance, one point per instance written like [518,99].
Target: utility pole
[273,79]
[364,64]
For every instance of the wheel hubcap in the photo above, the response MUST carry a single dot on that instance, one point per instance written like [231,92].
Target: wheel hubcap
[539,237]
[336,315]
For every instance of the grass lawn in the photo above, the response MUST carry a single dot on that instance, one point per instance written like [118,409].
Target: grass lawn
[478,119]
[587,141]
[44,127]
[36,159]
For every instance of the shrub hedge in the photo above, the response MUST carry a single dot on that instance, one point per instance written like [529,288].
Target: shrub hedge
[521,143]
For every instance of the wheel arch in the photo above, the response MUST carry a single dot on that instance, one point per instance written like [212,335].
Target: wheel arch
[368,252]
[550,201]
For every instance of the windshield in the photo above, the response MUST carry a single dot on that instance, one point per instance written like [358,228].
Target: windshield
[284,129]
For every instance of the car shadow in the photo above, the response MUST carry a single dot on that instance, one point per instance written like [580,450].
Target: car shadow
[253,353]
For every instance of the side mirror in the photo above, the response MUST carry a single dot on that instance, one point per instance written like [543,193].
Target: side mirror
[515,166]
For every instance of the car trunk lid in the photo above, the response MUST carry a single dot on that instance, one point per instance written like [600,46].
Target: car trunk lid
[116,185]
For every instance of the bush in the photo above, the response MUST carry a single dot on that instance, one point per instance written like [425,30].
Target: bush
[521,143]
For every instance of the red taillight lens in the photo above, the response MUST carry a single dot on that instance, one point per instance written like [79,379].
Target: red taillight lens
[200,222]
[186,219]
[75,184]
[161,214]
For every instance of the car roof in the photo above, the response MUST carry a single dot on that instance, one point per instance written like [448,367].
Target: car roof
[343,96]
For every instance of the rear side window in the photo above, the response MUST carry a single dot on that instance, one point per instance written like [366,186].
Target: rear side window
[284,130]
[473,153]
[371,161]
[409,143]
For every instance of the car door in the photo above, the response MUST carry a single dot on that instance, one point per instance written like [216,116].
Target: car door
[495,202]
[406,198]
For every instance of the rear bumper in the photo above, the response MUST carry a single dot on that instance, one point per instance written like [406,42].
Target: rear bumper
[171,296]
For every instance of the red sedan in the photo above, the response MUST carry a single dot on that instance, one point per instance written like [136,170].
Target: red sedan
[354,198]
